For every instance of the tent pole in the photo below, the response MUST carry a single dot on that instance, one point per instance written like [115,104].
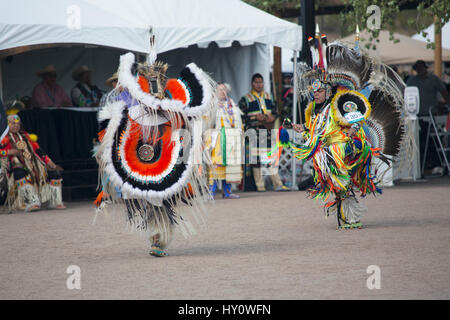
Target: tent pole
[294,120]
[277,77]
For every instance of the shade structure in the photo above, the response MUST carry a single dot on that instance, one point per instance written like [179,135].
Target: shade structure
[125,24]
[406,51]
[445,35]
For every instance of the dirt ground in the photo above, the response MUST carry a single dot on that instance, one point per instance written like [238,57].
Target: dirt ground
[262,246]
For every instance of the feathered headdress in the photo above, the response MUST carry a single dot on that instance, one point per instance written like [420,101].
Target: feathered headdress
[315,78]
[333,65]
[357,76]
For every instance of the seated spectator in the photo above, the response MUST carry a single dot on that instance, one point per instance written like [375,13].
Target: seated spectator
[84,93]
[48,93]
[33,178]
[112,81]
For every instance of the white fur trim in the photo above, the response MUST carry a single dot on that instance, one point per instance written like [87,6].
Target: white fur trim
[207,91]
[127,80]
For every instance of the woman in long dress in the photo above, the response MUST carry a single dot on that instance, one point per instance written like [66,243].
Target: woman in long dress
[225,144]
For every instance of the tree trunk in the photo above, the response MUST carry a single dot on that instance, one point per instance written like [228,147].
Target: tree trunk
[437,50]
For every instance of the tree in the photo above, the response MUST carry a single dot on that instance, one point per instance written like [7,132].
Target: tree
[374,15]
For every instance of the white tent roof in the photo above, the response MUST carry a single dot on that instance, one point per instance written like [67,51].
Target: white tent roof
[404,52]
[178,24]
[29,22]
[125,24]
[445,35]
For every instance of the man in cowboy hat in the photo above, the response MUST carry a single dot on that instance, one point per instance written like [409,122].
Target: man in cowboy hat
[112,81]
[84,94]
[48,93]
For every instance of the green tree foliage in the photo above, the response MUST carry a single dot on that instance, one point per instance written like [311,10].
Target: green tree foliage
[389,14]
[389,11]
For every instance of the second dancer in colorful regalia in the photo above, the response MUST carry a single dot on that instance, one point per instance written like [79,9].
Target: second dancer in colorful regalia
[353,118]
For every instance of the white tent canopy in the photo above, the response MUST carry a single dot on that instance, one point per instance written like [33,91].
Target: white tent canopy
[115,23]
[244,30]
[445,35]
[29,22]
[179,23]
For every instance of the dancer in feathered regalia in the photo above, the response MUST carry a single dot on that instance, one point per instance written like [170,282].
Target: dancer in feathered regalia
[150,147]
[33,179]
[355,117]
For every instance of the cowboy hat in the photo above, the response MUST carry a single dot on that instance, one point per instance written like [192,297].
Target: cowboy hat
[78,72]
[114,77]
[50,69]
[420,62]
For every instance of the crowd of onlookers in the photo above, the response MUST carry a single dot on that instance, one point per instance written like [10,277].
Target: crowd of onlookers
[49,94]
[258,108]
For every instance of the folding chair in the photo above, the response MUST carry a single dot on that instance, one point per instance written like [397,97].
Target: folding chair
[436,131]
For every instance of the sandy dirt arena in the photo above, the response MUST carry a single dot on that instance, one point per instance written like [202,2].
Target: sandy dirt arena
[262,246]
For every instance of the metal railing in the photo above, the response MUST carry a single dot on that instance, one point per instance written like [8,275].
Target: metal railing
[436,131]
